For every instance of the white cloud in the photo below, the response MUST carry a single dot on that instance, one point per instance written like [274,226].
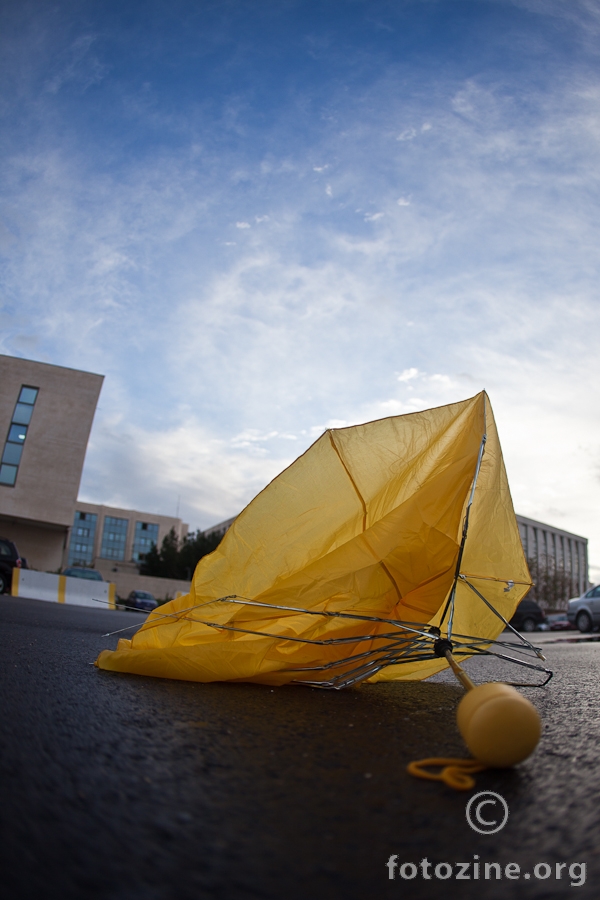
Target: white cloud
[408,134]
[442,380]
[242,224]
[213,479]
[408,374]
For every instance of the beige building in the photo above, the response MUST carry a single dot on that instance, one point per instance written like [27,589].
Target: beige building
[46,414]
[114,541]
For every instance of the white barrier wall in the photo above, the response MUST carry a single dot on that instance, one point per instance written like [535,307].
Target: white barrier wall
[60,589]
[37,585]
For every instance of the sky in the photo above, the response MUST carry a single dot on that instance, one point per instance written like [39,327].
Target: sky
[262,218]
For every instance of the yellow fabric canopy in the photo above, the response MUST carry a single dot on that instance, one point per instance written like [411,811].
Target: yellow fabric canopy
[368,522]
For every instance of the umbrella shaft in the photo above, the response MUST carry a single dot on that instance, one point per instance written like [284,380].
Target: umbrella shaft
[460,673]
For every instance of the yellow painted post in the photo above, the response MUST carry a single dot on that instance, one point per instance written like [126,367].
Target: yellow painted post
[111,596]
[62,588]
[15,582]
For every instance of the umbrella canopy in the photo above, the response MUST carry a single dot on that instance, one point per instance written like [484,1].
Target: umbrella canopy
[347,559]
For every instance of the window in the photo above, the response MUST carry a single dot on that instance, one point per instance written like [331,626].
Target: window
[81,548]
[28,395]
[12,454]
[23,413]
[146,536]
[8,474]
[570,560]
[577,562]
[114,537]
[523,530]
[17,432]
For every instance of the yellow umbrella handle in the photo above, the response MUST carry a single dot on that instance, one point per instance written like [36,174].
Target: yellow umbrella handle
[499,726]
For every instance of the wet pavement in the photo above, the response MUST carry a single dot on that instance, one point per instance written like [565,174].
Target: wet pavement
[116,786]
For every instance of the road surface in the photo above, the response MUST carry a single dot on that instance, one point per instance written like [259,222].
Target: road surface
[117,787]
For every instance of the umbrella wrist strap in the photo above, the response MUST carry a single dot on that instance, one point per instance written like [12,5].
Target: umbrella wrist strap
[456,773]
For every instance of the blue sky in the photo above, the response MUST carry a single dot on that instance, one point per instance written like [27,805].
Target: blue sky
[258,219]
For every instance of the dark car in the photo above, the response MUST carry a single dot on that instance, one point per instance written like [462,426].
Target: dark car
[528,616]
[9,560]
[142,600]
[81,572]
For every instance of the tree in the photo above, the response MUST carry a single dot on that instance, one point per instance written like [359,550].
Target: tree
[178,559]
[553,586]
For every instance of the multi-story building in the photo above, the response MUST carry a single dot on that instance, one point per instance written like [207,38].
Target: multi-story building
[112,540]
[558,561]
[46,414]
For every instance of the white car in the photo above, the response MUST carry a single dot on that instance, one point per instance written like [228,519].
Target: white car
[584,611]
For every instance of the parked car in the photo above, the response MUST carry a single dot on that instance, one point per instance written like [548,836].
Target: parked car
[558,622]
[584,611]
[81,572]
[9,560]
[142,600]
[528,616]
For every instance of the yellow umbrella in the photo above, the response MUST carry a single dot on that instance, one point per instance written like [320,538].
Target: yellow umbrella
[354,563]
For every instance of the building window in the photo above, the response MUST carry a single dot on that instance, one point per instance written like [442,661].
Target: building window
[523,530]
[114,536]
[81,548]
[17,432]
[571,566]
[146,537]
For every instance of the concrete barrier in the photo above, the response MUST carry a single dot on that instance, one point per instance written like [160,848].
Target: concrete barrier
[61,589]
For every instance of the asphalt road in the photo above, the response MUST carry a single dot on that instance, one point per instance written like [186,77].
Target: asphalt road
[117,786]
